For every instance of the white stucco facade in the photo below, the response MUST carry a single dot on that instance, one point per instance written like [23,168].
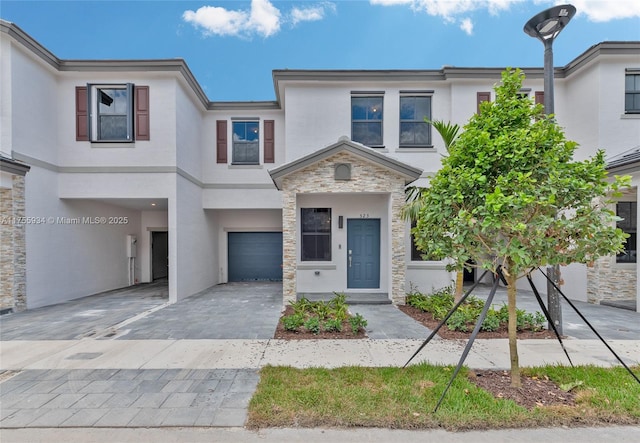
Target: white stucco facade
[182,178]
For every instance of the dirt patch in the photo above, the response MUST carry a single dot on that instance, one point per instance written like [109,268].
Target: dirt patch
[345,334]
[426,318]
[535,392]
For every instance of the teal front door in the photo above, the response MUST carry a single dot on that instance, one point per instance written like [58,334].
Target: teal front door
[363,253]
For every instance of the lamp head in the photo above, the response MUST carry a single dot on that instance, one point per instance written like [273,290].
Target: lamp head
[546,25]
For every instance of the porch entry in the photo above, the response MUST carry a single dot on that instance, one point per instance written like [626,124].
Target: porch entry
[363,253]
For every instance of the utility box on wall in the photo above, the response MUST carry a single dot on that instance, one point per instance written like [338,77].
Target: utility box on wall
[132,240]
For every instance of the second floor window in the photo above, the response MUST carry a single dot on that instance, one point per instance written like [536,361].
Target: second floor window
[113,108]
[632,94]
[112,113]
[366,120]
[414,131]
[246,143]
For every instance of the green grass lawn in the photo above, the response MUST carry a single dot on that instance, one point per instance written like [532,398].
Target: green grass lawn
[405,399]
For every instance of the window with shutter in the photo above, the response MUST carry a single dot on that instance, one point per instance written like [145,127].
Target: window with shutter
[114,113]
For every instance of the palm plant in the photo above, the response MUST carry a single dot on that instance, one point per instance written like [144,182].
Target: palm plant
[449,133]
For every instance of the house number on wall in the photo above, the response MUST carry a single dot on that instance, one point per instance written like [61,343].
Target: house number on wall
[364,215]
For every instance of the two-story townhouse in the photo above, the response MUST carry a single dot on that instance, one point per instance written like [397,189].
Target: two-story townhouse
[136,175]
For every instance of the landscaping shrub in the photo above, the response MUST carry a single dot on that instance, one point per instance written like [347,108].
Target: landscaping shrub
[441,301]
[292,322]
[356,323]
[316,316]
[312,325]
[333,325]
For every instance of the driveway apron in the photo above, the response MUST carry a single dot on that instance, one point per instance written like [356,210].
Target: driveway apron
[136,397]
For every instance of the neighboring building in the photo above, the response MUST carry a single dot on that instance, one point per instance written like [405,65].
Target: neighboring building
[136,175]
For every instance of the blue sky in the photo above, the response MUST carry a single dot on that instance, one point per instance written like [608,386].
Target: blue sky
[232,46]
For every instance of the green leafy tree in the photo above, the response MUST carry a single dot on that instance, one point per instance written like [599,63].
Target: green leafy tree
[509,195]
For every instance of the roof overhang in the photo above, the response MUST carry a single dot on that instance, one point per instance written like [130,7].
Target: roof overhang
[14,167]
[624,162]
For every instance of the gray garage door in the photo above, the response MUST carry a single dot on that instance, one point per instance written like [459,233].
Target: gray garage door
[255,256]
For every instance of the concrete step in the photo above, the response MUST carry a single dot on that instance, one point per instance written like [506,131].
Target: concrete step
[622,304]
[353,298]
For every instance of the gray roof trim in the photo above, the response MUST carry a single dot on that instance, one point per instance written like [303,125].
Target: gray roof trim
[242,106]
[344,144]
[603,48]
[453,72]
[629,159]
[176,65]
[165,65]
[13,166]
[284,75]
[238,186]
[30,43]
[359,75]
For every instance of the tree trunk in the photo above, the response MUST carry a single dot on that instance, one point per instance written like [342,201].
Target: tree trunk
[513,316]
[459,286]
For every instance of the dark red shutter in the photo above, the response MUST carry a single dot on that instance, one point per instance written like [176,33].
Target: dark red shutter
[269,142]
[141,103]
[221,141]
[539,98]
[82,117]
[482,97]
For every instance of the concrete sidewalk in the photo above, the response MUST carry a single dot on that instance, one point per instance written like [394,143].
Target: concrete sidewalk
[151,383]
[195,364]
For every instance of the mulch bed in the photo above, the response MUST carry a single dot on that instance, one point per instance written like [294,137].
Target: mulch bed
[345,334]
[535,392]
[426,318]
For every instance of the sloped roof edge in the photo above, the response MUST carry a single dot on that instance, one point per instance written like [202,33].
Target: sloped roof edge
[13,166]
[630,157]
[345,144]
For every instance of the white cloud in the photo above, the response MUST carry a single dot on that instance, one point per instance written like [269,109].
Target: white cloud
[450,10]
[311,13]
[607,10]
[390,2]
[219,21]
[467,26]
[263,18]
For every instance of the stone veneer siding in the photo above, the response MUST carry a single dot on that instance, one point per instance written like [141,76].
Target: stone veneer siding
[607,281]
[320,178]
[13,295]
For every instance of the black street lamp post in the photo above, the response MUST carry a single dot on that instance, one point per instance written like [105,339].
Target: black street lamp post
[546,26]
